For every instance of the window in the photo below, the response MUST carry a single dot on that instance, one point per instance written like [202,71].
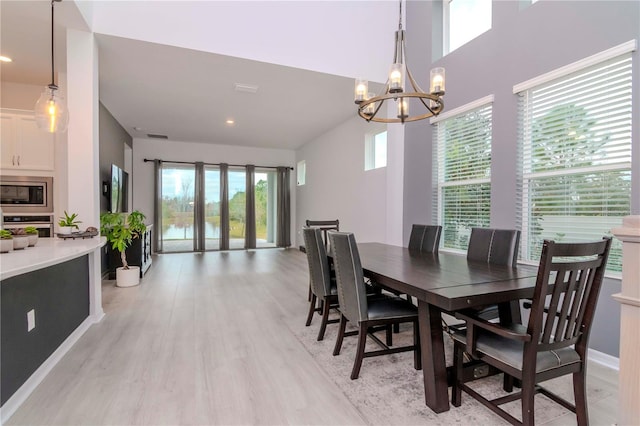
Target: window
[463,166]
[375,151]
[302,172]
[464,20]
[576,145]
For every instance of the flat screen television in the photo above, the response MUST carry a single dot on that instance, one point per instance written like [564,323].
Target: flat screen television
[119,190]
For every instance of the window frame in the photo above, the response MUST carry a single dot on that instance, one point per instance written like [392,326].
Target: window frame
[370,156]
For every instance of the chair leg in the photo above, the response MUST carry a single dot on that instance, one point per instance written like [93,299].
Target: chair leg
[396,328]
[389,332]
[528,393]
[362,340]
[417,355]
[310,292]
[343,326]
[312,309]
[458,359]
[325,318]
[507,383]
[580,395]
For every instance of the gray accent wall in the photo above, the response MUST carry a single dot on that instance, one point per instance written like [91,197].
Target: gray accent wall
[525,41]
[112,140]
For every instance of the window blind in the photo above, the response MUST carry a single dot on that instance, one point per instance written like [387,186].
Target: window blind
[463,164]
[575,135]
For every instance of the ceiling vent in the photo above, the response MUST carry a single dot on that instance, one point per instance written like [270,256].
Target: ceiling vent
[247,88]
[154,136]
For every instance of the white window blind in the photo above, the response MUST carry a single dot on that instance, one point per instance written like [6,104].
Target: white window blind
[576,148]
[463,164]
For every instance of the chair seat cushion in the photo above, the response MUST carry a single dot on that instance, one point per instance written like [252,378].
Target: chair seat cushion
[390,307]
[510,351]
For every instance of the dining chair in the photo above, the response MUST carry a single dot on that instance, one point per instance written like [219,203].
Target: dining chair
[425,238]
[496,247]
[554,342]
[367,313]
[325,226]
[323,287]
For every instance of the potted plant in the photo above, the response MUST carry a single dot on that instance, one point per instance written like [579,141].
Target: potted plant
[32,233]
[120,229]
[6,241]
[68,223]
[20,239]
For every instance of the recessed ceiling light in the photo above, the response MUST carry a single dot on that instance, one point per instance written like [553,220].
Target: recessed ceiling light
[138,129]
[230,122]
[5,59]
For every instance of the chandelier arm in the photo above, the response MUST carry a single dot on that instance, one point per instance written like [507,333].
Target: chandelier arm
[415,86]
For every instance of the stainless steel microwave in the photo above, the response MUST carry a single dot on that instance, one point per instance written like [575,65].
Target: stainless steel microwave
[26,194]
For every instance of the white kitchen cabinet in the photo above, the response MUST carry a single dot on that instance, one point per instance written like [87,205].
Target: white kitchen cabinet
[24,146]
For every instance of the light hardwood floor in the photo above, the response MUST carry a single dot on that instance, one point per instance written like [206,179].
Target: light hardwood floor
[206,339]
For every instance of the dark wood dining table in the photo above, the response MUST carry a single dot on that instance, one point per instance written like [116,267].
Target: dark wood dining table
[444,282]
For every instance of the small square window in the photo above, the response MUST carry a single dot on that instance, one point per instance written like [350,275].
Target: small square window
[375,151]
[302,172]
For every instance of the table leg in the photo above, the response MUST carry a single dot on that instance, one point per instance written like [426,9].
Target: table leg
[433,361]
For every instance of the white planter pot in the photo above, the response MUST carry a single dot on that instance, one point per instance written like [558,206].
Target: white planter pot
[127,277]
[33,239]
[6,245]
[20,242]
[66,230]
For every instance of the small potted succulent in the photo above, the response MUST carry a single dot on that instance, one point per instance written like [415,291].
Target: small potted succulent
[6,241]
[20,239]
[32,233]
[68,223]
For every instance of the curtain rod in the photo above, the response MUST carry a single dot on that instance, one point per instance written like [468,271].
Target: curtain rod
[146,160]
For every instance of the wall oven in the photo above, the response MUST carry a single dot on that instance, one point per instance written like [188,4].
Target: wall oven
[42,222]
[26,194]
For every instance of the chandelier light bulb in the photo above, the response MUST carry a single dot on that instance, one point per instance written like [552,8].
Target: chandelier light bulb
[396,78]
[437,81]
[362,88]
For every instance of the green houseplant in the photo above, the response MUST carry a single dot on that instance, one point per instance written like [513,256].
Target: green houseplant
[6,241]
[121,229]
[68,223]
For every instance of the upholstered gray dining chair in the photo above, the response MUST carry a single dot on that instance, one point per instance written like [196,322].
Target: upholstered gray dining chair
[554,342]
[367,313]
[497,247]
[425,238]
[323,287]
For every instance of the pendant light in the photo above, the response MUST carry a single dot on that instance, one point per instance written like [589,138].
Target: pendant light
[430,104]
[51,110]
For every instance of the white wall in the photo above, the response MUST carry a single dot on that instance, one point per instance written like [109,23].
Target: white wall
[337,187]
[324,36]
[209,153]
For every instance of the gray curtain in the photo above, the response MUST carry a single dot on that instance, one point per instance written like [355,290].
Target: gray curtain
[224,206]
[157,205]
[283,236]
[250,216]
[198,213]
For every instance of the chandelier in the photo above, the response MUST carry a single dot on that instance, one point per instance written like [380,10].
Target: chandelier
[51,111]
[430,104]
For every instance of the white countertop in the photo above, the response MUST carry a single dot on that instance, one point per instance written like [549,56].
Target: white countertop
[47,252]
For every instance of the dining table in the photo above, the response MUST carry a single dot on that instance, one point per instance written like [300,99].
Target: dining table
[444,283]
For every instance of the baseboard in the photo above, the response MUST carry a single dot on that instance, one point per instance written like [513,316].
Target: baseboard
[13,403]
[605,360]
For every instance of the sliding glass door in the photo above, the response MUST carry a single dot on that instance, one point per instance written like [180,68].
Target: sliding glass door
[178,193]
[219,207]
[212,208]
[237,207]
[266,208]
